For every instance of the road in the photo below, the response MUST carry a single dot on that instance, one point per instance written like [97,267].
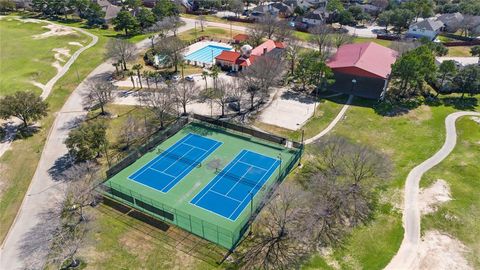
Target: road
[407,257]
[44,191]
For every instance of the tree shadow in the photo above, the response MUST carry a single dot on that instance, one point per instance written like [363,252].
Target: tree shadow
[393,109]
[35,245]
[74,123]
[465,104]
[298,96]
[26,132]
[61,165]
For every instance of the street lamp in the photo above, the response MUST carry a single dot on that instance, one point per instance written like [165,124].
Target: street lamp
[354,81]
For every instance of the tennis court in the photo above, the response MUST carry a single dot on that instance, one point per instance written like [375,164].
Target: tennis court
[170,166]
[236,185]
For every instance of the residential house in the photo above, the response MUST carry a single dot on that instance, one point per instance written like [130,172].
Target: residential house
[428,28]
[239,38]
[110,9]
[452,21]
[284,11]
[263,10]
[313,18]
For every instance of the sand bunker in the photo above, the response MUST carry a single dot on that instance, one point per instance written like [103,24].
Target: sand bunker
[430,198]
[440,251]
[55,30]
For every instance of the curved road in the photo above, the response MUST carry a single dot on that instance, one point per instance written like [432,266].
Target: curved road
[407,256]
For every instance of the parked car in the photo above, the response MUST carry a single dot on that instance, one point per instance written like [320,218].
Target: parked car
[190,78]
[175,78]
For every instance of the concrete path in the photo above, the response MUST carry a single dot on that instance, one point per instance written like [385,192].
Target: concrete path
[44,191]
[407,257]
[332,124]
[47,88]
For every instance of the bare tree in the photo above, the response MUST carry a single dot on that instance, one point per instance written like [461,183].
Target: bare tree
[99,93]
[171,48]
[280,237]
[284,31]
[130,131]
[357,169]
[185,93]
[159,102]
[292,53]
[269,25]
[321,36]
[262,75]
[173,23]
[121,51]
[201,21]
[222,93]
[256,34]
[341,39]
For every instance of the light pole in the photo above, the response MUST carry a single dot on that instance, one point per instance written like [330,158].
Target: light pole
[354,81]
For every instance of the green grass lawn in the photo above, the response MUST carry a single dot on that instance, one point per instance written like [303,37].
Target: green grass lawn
[408,140]
[19,163]
[461,170]
[460,51]
[213,32]
[24,59]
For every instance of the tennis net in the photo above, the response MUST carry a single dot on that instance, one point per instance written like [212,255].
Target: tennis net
[179,158]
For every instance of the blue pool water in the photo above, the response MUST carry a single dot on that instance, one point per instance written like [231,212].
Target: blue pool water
[206,54]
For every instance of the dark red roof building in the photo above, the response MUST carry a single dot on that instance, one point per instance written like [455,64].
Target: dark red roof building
[362,69]
[240,38]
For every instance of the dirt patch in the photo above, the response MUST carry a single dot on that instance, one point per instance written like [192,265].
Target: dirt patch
[60,53]
[430,198]
[476,119]
[393,197]
[139,245]
[183,260]
[55,30]
[420,114]
[442,252]
[74,43]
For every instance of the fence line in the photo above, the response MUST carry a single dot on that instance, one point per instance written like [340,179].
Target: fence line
[212,232]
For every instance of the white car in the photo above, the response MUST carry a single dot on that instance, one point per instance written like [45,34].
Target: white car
[190,78]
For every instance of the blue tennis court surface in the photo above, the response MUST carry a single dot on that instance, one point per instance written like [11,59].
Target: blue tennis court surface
[170,166]
[232,189]
[206,54]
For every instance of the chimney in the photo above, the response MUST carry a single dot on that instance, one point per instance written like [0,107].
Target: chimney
[264,51]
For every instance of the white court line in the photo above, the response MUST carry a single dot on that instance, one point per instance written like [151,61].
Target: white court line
[261,180]
[200,157]
[148,165]
[191,145]
[250,165]
[223,195]
[162,172]
[239,180]
[218,179]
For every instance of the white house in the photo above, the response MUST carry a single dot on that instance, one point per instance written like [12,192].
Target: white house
[313,18]
[428,28]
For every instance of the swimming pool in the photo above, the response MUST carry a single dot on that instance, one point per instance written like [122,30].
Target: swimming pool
[206,54]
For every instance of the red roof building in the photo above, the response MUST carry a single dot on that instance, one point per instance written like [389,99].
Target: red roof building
[236,61]
[365,60]
[240,38]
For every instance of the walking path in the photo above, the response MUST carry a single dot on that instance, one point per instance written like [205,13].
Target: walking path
[44,191]
[47,88]
[332,124]
[407,257]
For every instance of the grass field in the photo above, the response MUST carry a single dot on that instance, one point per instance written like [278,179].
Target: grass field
[214,32]
[461,170]
[24,58]
[19,163]
[408,140]
[460,51]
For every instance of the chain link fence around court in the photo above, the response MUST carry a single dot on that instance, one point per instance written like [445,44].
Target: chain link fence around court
[212,232]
